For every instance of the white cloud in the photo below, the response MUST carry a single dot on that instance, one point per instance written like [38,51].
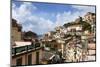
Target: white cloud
[66,17]
[69,16]
[40,25]
[13,5]
[23,11]
[84,9]
[24,15]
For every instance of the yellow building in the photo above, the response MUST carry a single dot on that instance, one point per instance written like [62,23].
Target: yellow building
[90,17]
[26,53]
[16,31]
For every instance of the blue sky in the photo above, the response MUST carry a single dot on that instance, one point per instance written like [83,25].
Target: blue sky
[43,17]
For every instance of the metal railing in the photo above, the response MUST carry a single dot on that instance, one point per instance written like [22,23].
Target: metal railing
[26,48]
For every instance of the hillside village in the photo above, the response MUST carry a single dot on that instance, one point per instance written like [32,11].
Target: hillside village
[73,42]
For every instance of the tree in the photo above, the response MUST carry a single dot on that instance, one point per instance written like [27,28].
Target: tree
[67,24]
[86,26]
[30,34]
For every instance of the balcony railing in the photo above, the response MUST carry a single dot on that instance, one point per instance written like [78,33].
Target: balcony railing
[18,50]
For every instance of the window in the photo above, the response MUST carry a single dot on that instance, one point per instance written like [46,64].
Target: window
[37,57]
[19,61]
[29,59]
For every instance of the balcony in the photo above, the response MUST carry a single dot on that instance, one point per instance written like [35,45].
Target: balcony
[23,49]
